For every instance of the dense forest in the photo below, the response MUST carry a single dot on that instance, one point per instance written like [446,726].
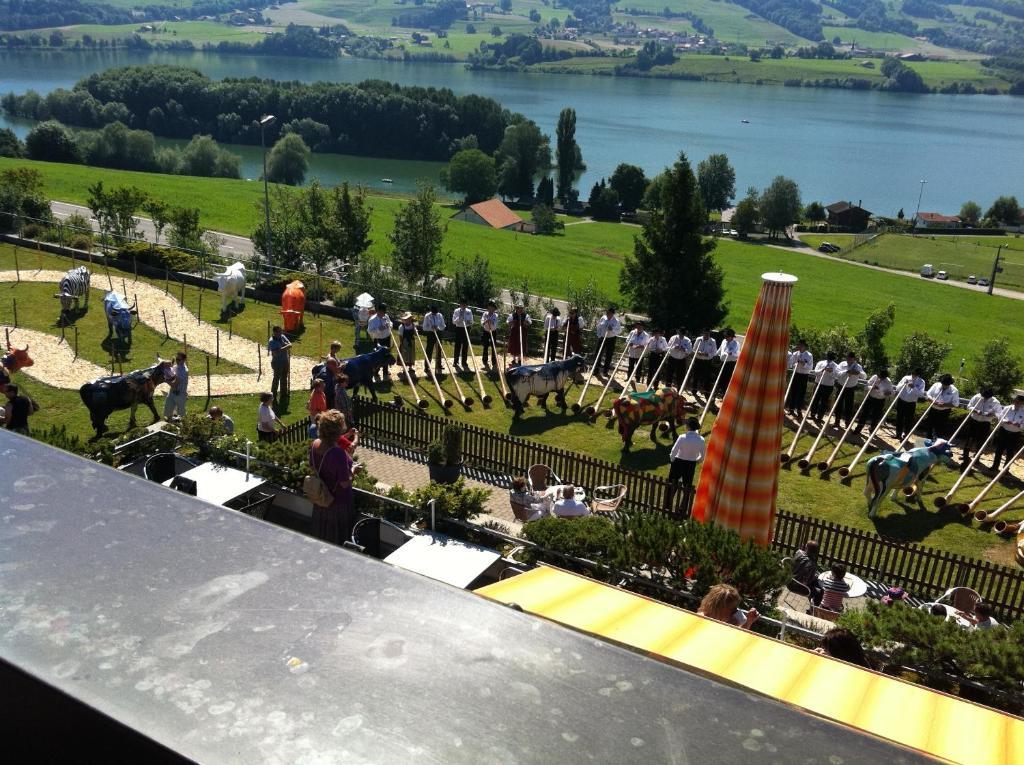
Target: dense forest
[36,14]
[373,118]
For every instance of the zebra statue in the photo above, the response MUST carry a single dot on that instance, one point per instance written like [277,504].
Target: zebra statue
[73,287]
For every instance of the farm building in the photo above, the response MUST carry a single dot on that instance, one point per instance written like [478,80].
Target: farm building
[936,220]
[848,216]
[493,213]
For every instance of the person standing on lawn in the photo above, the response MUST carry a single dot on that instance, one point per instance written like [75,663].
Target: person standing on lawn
[174,404]
[267,421]
[489,324]
[687,451]
[279,348]
[462,319]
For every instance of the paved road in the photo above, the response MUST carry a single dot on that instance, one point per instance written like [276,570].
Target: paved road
[806,250]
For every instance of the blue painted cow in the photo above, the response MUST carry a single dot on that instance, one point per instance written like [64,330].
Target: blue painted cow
[360,370]
[890,471]
[119,317]
[540,380]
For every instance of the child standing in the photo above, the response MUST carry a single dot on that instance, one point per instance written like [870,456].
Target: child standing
[317,400]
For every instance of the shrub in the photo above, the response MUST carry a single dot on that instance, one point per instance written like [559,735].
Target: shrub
[592,537]
[317,289]
[33,231]
[80,242]
[446,449]
[199,431]
[284,464]
[453,500]
[158,256]
[998,367]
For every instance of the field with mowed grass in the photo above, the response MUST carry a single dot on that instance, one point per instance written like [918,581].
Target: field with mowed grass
[809,494]
[166,32]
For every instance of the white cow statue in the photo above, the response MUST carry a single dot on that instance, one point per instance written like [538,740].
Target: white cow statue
[231,286]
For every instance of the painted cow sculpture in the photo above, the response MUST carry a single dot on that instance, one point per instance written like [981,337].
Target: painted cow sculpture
[890,471]
[74,286]
[231,286]
[540,380]
[119,317]
[106,395]
[13,360]
[664,405]
[360,370]
[293,305]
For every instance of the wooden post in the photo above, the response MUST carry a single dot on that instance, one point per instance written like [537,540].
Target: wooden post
[138,316]
[76,343]
[268,327]
[199,312]
[14,303]
[320,344]
[182,299]
[230,331]
[207,378]
[39,255]
[167,281]
[167,332]
[259,362]
[135,267]
[124,288]
[7,334]
[218,345]
[62,338]
[17,268]
[184,342]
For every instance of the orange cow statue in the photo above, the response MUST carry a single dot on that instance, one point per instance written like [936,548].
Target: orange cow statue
[293,305]
[12,361]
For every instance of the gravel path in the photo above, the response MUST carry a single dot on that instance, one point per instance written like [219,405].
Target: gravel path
[53,359]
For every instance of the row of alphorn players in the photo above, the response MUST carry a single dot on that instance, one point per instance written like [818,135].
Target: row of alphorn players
[841,378]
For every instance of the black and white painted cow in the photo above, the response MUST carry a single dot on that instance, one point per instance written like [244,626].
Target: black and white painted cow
[539,380]
[74,286]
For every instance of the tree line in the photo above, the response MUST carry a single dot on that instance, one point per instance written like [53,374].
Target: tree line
[373,118]
[36,14]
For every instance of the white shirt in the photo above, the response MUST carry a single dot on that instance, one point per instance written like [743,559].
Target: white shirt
[489,321]
[679,347]
[730,350]
[433,321]
[636,340]
[658,344]
[879,387]
[552,322]
[706,347]
[1013,418]
[984,411]
[379,326]
[609,327]
[911,389]
[944,399]
[825,373]
[462,317]
[180,384]
[569,508]
[266,419]
[803,360]
[527,321]
[850,374]
[689,447]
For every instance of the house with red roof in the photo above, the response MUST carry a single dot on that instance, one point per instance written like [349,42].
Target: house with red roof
[937,220]
[493,213]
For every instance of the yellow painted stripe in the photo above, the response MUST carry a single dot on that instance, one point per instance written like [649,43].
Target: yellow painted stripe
[911,715]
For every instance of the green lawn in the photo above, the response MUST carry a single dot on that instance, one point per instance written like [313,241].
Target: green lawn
[198,32]
[732,23]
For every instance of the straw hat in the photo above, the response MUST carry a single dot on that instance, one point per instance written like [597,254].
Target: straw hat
[405,316]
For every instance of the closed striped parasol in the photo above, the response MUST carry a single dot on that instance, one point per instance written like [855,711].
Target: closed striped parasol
[740,477]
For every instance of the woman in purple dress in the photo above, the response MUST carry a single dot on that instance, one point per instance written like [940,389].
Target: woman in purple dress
[334,466]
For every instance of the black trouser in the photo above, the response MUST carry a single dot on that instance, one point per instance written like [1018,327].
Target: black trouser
[728,368]
[905,413]
[871,413]
[1006,445]
[607,353]
[798,393]
[407,350]
[680,470]
[653,363]
[551,352]
[490,343]
[937,424]
[676,370]
[701,377]
[844,409]
[280,380]
[819,404]
[264,435]
[977,432]
[432,345]
[632,365]
[461,350]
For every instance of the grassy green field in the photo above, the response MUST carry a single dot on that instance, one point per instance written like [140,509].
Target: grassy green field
[959,256]
[829,499]
[887,41]
[732,23]
[198,32]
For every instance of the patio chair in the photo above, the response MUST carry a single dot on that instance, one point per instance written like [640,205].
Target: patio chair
[824,613]
[523,512]
[259,503]
[794,587]
[541,477]
[606,499]
[165,465]
[961,598]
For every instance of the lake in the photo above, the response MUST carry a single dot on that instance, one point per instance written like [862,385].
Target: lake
[836,144]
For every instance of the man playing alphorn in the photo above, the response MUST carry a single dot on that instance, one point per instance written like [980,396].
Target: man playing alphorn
[946,396]
[574,325]
[379,328]
[519,322]
[706,348]
[679,350]
[802,359]
[433,325]
[552,323]
[850,373]
[489,324]
[879,390]
[462,317]
[984,409]
[730,354]
[1007,438]
[911,391]
[656,350]
[825,374]
[608,328]
[636,341]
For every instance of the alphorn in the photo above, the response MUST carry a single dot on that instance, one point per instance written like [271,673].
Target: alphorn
[1002,527]
[597,360]
[845,470]
[420,402]
[806,461]
[915,427]
[629,380]
[970,506]
[466,400]
[711,395]
[941,501]
[547,343]
[445,402]
[501,372]
[789,386]
[657,372]
[963,422]
[686,377]
[593,408]
[984,517]
[788,455]
[823,466]
[484,398]
[565,345]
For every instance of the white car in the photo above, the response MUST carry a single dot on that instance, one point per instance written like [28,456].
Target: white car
[983,282]
[972,279]
[942,275]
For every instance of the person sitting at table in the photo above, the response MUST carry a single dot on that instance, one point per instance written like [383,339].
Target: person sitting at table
[938,609]
[981,619]
[568,506]
[217,415]
[840,643]
[722,603]
[835,587]
[534,505]
[805,569]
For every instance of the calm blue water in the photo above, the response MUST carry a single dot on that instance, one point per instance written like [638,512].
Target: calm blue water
[868,146]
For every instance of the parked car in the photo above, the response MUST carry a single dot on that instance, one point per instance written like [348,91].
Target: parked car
[983,282]
[927,271]
[972,279]
[828,247]
[942,275]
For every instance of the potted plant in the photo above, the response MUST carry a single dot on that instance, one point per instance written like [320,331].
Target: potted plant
[444,455]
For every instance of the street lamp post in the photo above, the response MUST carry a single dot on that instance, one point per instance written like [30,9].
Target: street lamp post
[920,194]
[265,122]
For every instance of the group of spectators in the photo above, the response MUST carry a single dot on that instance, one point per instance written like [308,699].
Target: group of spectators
[555,501]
